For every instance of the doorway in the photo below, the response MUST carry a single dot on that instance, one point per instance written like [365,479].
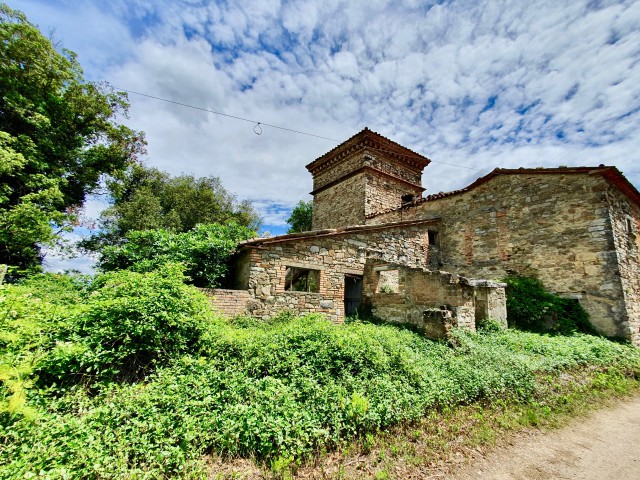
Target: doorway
[352,294]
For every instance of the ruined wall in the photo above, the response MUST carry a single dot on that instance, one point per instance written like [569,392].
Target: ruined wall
[555,226]
[431,301]
[625,224]
[334,257]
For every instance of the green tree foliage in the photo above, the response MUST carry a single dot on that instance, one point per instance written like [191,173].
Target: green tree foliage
[58,137]
[148,199]
[130,322]
[531,307]
[301,217]
[204,251]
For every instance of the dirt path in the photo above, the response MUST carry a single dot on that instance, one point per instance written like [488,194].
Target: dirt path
[605,445]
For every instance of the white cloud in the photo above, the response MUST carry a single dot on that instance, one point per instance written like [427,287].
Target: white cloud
[480,84]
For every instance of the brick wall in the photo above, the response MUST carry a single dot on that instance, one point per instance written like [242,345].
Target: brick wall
[229,302]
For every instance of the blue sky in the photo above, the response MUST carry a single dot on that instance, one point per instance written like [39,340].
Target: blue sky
[480,84]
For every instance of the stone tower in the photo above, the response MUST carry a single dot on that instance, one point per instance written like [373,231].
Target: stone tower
[363,176]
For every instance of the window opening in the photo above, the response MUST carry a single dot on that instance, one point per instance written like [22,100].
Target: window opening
[388,281]
[629,225]
[302,280]
[433,237]
[408,198]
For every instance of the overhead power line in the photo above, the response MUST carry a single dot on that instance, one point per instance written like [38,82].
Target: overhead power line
[255,122]
[258,125]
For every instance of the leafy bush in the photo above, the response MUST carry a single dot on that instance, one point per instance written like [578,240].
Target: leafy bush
[279,390]
[205,251]
[531,307]
[32,314]
[130,322]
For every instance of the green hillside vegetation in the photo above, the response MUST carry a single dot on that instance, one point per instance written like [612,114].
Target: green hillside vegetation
[132,375]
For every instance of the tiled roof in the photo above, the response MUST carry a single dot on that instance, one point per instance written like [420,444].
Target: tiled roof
[611,173]
[329,232]
[373,140]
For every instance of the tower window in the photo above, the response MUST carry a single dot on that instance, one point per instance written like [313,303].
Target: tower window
[433,237]
[408,198]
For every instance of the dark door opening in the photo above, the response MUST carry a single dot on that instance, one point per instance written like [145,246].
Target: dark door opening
[352,294]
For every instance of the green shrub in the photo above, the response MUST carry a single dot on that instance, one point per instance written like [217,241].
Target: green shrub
[204,251]
[531,307]
[274,390]
[32,314]
[130,322]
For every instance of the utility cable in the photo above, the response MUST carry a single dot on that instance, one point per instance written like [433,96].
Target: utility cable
[258,126]
[255,122]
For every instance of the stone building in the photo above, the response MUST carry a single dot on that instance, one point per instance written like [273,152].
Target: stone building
[377,241]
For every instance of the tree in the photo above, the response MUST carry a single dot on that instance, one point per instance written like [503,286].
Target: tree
[58,138]
[204,251]
[301,217]
[148,199]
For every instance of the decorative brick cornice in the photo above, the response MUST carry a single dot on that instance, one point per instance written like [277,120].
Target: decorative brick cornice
[368,139]
[418,188]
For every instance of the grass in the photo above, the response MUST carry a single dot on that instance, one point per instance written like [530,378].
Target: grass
[445,438]
[279,398]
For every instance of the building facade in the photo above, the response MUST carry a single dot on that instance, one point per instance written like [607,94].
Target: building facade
[377,241]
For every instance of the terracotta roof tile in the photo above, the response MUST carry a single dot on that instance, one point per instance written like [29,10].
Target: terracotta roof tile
[609,172]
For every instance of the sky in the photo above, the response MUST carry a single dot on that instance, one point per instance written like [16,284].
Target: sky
[473,85]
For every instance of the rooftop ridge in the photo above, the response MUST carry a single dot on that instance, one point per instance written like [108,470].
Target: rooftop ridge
[611,173]
[363,139]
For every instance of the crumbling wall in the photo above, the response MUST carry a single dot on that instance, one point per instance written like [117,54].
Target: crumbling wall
[333,256]
[431,301]
[551,225]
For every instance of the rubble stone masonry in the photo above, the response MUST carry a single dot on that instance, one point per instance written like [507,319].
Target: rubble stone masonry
[334,254]
[625,224]
[432,301]
[567,229]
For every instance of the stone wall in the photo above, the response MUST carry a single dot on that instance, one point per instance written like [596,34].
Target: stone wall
[361,184]
[340,205]
[334,255]
[383,193]
[432,301]
[625,224]
[335,171]
[556,226]
[395,168]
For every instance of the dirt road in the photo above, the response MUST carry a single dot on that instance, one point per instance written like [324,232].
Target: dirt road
[605,445]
